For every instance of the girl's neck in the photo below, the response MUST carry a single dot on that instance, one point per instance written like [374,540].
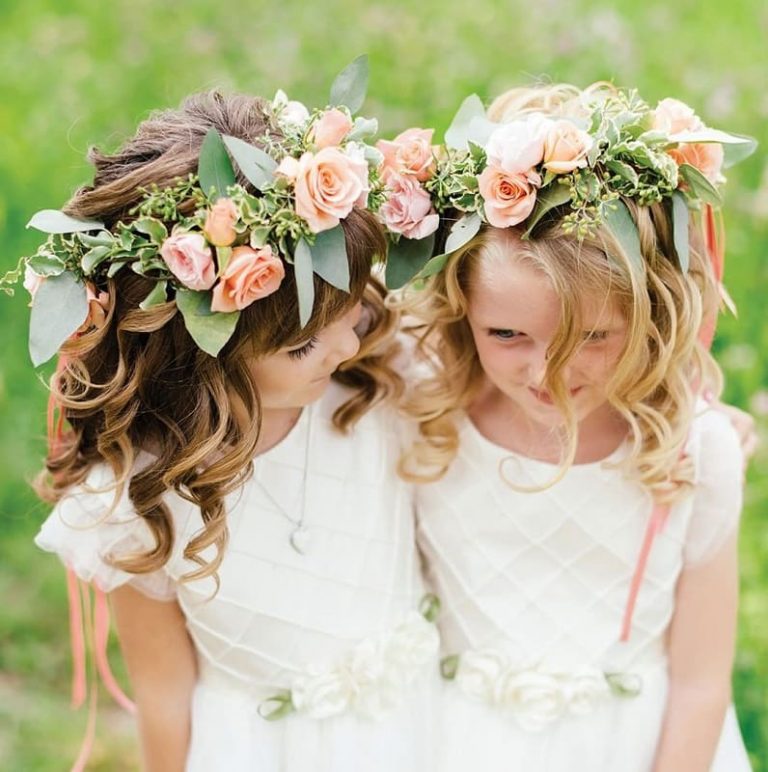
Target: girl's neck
[276,425]
[504,423]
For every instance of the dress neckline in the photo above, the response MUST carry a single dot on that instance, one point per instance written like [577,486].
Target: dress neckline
[469,427]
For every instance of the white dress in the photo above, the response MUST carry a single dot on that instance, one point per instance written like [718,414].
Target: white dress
[338,626]
[534,587]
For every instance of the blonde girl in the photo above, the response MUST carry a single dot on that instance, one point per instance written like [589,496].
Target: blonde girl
[580,502]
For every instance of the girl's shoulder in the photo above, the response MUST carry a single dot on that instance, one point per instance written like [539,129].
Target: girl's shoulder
[94,524]
[714,447]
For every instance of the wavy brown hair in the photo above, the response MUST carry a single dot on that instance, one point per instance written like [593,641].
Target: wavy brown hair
[140,383]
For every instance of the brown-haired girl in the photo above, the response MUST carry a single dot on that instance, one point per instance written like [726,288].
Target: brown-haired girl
[225,471]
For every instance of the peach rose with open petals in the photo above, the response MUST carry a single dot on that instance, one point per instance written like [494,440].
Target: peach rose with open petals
[410,152]
[328,185]
[707,157]
[673,117]
[190,260]
[509,198]
[408,208]
[332,126]
[250,275]
[565,147]
[219,226]
[98,307]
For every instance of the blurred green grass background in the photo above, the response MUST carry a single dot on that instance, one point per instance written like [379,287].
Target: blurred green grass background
[87,72]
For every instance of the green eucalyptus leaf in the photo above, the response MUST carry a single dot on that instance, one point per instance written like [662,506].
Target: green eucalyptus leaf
[59,309]
[153,228]
[362,129]
[257,166]
[463,231]
[156,296]
[92,258]
[700,186]
[406,258]
[548,198]
[458,132]
[214,167]
[350,86]
[208,329]
[619,221]
[54,221]
[433,265]
[46,265]
[680,218]
[329,257]
[305,282]
[114,268]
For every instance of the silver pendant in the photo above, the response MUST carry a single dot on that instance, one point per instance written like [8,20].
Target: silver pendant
[299,539]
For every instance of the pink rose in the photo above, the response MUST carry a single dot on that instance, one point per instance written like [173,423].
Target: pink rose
[517,147]
[219,226]
[98,307]
[409,153]
[509,198]
[565,147]
[32,283]
[249,275]
[328,184]
[673,117]
[332,126]
[190,260]
[408,209]
[707,157]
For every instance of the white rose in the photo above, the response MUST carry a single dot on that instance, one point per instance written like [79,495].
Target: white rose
[412,646]
[291,112]
[480,672]
[533,698]
[518,146]
[586,691]
[323,694]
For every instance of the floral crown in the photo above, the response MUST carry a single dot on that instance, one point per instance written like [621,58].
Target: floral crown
[516,172]
[231,250]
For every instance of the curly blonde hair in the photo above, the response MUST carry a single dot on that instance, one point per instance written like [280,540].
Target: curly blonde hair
[661,370]
[139,383]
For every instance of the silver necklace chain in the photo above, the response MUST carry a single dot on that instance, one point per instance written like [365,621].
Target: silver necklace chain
[298,537]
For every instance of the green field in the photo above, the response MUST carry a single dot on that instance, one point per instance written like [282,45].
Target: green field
[85,72]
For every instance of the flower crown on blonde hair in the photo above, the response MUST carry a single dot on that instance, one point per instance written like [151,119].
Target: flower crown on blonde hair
[230,251]
[588,152]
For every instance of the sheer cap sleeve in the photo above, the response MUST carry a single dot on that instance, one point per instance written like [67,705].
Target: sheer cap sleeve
[718,496]
[86,535]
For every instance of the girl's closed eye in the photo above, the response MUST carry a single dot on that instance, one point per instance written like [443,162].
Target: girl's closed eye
[303,350]
[595,336]
[504,334]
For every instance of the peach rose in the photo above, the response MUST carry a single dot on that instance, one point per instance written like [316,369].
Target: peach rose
[250,275]
[32,283]
[565,147]
[98,307]
[190,260]
[219,226]
[509,198]
[517,147]
[410,152]
[328,184]
[332,126]
[408,209]
[673,117]
[707,157]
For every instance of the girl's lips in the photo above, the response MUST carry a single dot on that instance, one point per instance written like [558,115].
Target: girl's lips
[545,398]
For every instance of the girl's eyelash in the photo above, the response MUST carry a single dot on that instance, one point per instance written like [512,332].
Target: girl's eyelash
[504,334]
[302,351]
[594,336]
